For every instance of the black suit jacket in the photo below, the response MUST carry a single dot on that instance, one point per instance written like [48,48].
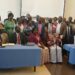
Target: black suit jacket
[69,38]
[22,37]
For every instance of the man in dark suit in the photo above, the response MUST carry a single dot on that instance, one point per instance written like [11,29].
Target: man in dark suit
[18,37]
[69,37]
[69,34]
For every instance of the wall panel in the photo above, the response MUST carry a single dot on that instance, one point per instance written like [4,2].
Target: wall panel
[47,8]
[9,5]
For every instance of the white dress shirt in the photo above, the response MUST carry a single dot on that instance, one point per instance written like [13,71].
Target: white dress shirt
[58,28]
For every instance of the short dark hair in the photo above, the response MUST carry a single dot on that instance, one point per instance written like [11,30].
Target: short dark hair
[10,14]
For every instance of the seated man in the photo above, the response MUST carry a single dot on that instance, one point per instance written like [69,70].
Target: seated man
[17,37]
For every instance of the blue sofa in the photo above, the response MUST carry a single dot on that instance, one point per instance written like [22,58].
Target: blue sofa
[71,49]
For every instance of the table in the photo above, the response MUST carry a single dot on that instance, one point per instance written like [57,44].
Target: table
[20,56]
[71,49]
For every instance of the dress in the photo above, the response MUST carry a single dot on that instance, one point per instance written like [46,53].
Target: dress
[55,54]
[55,50]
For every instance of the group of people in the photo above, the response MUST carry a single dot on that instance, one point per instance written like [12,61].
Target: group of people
[48,33]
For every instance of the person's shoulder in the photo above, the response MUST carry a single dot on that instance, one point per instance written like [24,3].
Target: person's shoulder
[5,19]
[13,33]
[6,22]
[22,34]
[63,24]
[14,21]
[36,23]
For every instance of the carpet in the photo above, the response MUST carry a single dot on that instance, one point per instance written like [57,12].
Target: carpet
[41,70]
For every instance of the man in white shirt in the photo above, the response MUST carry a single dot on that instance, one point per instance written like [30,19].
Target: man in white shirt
[59,25]
[58,28]
[50,25]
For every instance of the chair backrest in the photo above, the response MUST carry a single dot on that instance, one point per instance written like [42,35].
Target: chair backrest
[4,38]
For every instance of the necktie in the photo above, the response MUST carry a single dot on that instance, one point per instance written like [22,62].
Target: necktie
[18,39]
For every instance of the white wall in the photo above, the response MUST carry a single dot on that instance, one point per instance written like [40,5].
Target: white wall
[70,9]
[9,5]
[47,8]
